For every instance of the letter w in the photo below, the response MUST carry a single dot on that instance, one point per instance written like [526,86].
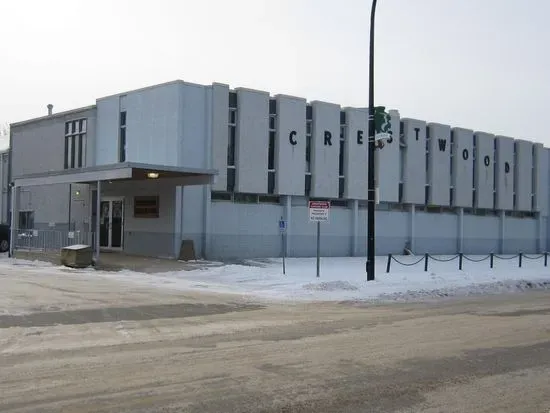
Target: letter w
[442,144]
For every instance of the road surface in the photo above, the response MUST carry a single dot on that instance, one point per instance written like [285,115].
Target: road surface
[79,344]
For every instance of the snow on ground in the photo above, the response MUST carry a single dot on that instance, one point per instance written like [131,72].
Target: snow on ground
[340,279]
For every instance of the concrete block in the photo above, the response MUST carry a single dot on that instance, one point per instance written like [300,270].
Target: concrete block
[77,256]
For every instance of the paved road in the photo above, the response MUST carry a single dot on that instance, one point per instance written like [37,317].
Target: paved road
[78,345]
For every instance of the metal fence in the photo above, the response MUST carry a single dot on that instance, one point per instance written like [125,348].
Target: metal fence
[35,240]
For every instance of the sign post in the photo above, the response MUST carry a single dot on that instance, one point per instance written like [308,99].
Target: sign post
[319,211]
[282,230]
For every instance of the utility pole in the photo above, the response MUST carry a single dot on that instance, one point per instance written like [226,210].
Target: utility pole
[371,202]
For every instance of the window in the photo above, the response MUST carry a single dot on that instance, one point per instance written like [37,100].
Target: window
[26,219]
[75,144]
[231,179]
[308,184]
[231,141]
[122,138]
[146,207]
[341,157]
[271,152]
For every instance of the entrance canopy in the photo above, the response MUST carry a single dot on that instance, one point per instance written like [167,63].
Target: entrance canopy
[126,171]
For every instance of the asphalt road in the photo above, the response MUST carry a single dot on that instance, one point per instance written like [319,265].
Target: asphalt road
[81,345]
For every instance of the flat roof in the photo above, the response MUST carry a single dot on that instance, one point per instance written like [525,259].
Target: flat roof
[52,116]
[126,171]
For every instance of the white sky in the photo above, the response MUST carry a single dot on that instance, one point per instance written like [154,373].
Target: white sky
[481,64]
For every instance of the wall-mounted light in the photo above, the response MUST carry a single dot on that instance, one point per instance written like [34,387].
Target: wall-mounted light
[77,193]
[152,175]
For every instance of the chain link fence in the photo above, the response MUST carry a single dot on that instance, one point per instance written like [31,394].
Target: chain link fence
[37,240]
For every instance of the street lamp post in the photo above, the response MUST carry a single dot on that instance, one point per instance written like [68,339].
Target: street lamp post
[371,203]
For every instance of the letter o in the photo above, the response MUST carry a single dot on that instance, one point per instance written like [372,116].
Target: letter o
[465,154]
[487,160]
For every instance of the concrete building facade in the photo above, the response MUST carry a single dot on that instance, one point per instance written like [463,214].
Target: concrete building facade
[222,167]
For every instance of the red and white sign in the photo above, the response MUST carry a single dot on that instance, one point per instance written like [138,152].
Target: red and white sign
[319,211]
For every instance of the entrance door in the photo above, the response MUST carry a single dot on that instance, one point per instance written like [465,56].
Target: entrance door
[111,223]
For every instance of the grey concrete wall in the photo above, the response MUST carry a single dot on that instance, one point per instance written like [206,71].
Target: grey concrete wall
[250,230]
[436,233]
[481,234]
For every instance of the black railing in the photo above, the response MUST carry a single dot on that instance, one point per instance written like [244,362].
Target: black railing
[461,257]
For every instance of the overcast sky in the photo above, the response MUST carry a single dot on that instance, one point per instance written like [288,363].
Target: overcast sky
[481,64]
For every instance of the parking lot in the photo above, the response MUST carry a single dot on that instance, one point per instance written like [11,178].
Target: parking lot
[78,343]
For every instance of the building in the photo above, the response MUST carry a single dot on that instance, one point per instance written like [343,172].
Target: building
[221,167]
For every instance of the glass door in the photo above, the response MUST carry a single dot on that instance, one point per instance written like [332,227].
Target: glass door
[111,223]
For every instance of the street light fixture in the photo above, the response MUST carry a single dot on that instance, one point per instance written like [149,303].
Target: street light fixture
[371,195]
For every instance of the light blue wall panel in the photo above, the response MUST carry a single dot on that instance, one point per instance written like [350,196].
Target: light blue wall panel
[520,235]
[325,150]
[392,231]
[481,234]
[439,164]
[220,134]
[484,171]
[252,141]
[245,230]
[107,140]
[192,132]
[335,239]
[524,175]
[414,161]
[504,173]
[152,125]
[435,233]
[388,163]
[541,177]
[290,145]
[356,154]
[463,167]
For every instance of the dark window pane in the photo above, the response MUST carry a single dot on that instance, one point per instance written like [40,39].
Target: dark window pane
[308,153]
[272,122]
[73,151]
[67,124]
[271,153]
[272,106]
[66,159]
[80,149]
[230,179]
[122,148]
[232,99]
[270,182]
[231,146]
[342,118]
[341,159]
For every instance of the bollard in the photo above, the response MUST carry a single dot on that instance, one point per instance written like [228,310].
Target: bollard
[520,258]
[460,261]
[492,259]
[426,262]
[388,264]
[545,259]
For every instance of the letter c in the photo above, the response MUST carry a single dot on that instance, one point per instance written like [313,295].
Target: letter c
[291,138]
